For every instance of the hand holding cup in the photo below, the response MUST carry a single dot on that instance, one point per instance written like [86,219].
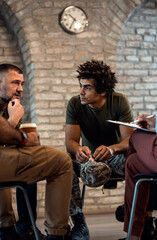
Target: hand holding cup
[31,128]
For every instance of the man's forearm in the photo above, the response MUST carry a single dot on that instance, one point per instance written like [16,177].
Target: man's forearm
[12,123]
[8,135]
[120,147]
[72,147]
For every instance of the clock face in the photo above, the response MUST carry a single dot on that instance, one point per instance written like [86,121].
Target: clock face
[73,20]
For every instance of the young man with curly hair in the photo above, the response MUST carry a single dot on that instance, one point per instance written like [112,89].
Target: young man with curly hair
[86,118]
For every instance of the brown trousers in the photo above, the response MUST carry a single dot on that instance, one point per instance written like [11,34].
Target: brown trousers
[32,164]
[142,158]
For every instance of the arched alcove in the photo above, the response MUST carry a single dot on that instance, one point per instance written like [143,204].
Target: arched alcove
[137,58]
[113,14]
[18,38]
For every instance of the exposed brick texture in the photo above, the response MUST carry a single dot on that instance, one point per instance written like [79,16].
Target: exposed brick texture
[137,57]
[120,32]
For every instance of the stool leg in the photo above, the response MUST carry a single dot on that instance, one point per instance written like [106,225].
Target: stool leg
[30,212]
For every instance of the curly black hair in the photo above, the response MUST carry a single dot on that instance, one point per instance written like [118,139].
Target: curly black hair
[105,79]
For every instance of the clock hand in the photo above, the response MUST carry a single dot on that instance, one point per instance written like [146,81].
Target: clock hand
[72,17]
[72,23]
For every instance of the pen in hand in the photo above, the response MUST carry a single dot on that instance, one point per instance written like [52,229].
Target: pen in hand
[149,116]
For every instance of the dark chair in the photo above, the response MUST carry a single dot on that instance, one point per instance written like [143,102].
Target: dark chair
[22,186]
[113,178]
[140,178]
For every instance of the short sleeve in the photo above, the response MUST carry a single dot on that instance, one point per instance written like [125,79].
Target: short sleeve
[124,110]
[71,112]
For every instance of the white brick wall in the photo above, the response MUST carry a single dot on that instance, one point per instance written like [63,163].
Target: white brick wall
[119,34]
[137,57]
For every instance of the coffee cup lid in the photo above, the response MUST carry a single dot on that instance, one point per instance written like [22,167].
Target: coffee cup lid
[28,125]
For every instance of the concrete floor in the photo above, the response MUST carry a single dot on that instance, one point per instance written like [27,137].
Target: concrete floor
[101,227]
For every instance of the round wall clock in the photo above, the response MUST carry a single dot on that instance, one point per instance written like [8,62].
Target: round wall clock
[73,19]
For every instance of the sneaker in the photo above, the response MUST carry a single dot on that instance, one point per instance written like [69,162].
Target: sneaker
[149,230]
[66,237]
[80,230]
[155,223]
[8,233]
[29,235]
[52,237]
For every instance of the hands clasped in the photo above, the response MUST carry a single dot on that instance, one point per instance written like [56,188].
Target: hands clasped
[101,154]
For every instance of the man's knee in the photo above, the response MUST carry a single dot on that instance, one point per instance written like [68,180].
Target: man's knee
[68,161]
[53,161]
[131,161]
[64,159]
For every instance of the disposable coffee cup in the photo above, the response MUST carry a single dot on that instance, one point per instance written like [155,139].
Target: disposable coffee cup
[28,127]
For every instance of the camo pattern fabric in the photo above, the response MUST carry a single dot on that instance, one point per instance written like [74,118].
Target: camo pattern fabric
[117,165]
[95,174]
[76,200]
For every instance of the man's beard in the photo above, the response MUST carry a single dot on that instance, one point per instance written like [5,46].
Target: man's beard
[6,100]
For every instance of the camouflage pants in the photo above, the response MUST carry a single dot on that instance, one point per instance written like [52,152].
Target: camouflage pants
[117,165]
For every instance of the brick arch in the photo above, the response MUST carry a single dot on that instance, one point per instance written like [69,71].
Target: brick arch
[113,15]
[14,27]
[137,58]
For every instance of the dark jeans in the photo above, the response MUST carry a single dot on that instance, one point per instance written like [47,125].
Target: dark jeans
[24,222]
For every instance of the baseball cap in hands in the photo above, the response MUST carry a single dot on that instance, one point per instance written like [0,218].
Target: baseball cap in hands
[95,174]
